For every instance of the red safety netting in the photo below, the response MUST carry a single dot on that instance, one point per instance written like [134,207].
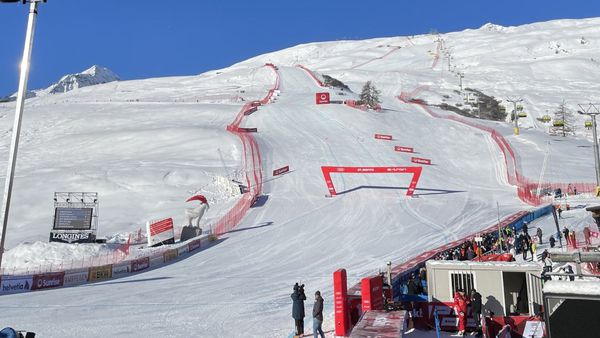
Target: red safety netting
[529,191]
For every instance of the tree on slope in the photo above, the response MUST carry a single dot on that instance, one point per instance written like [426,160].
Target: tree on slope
[564,121]
[370,95]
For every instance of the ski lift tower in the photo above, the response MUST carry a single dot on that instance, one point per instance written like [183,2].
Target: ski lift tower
[592,114]
[514,101]
[12,160]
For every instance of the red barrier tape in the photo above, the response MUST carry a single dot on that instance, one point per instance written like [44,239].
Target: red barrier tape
[319,82]
[252,164]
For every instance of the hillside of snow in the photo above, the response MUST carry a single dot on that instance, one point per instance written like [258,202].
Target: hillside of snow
[147,145]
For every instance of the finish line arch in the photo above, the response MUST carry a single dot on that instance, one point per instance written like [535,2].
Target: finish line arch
[328,170]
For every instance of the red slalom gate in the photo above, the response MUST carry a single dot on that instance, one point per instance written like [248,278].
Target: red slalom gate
[416,171]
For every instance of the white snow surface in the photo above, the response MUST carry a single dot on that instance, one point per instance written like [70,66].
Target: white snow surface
[585,287]
[147,145]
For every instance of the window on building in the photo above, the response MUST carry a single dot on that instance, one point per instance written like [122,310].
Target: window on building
[462,280]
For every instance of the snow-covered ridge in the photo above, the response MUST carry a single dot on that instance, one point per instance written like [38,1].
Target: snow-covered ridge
[89,77]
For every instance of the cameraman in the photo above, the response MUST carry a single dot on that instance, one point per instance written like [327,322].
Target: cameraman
[298,298]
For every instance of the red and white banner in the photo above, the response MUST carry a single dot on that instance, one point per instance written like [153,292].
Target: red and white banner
[420,160]
[416,171]
[160,231]
[404,149]
[322,98]
[383,137]
[594,234]
[282,170]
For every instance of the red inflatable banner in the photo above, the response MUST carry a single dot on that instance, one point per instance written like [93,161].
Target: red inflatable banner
[340,298]
[383,137]
[420,160]
[372,293]
[416,171]
[282,170]
[322,98]
[404,149]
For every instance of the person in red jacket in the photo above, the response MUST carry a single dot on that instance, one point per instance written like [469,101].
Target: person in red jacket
[460,307]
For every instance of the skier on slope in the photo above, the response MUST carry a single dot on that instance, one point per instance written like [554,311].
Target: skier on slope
[460,307]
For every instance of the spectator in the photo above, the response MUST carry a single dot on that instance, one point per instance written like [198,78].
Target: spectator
[460,307]
[318,316]
[476,308]
[539,235]
[298,298]
[413,288]
[559,212]
[552,241]
[525,227]
[565,232]
[586,235]
[569,270]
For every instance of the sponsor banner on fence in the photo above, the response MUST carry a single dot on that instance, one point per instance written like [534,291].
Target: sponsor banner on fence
[404,149]
[282,170]
[322,98]
[100,272]
[193,245]
[247,130]
[160,232]
[383,137]
[420,160]
[48,280]
[170,255]
[15,284]
[157,260]
[250,111]
[75,277]
[181,250]
[140,264]
[121,269]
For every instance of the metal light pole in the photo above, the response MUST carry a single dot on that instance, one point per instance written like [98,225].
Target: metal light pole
[595,135]
[12,160]
[516,115]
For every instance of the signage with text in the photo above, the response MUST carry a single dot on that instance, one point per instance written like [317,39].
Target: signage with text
[48,280]
[322,98]
[248,130]
[415,171]
[15,285]
[282,170]
[100,272]
[404,149]
[140,264]
[73,218]
[383,137]
[420,160]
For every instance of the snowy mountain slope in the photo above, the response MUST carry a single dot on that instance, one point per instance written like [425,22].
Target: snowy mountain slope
[146,145]
[92,76]
[89,77]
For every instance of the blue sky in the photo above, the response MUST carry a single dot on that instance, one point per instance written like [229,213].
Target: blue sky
[151,38]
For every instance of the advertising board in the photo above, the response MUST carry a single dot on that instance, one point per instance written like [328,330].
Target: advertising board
[100,272]
[48,281]
[15,284]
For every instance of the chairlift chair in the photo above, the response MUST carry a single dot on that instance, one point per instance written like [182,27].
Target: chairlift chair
[588,124]
[546,118]
[522,114]
[558,123]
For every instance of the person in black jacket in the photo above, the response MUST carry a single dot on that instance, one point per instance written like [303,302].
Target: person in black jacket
[298,298]
[476,307]
[318,315]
